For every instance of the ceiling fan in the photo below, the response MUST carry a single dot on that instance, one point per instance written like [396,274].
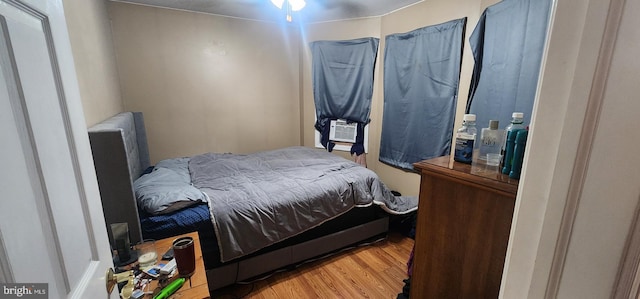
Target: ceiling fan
[289,6]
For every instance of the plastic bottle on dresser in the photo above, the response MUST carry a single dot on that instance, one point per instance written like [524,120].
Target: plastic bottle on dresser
[510,149]
[518,153]
[489,145]
[465,137]
[517,123]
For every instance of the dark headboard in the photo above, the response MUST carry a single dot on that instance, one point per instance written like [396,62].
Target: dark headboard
[120,155]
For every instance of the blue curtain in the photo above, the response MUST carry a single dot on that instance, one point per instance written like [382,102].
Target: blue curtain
[421,76]
[507,46]
[343,84]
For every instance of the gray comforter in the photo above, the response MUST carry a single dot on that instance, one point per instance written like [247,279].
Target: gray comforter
[259,199]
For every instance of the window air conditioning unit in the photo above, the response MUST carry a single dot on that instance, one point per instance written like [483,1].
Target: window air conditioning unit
[340,130]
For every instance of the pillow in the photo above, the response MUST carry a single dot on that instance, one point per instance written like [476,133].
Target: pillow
[179,165]
[165,190]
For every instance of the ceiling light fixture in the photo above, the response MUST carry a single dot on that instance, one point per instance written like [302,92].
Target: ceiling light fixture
[290,5]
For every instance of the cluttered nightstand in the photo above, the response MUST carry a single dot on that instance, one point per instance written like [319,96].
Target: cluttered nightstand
[194,287]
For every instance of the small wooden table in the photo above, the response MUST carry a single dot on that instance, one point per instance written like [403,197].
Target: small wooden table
[198,288]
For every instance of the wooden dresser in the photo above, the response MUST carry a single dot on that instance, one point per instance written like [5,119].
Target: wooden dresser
[462,231]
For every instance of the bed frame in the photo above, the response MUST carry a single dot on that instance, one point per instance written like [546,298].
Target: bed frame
[121,155]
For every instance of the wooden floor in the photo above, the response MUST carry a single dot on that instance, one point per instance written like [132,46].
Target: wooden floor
[373,271]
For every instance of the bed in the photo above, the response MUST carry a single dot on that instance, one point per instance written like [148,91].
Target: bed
[254,213]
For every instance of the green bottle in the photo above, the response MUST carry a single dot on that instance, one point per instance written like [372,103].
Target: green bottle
[518,154]
[517,123]
[508,153]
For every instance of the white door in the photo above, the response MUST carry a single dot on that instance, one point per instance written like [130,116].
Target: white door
[51,221]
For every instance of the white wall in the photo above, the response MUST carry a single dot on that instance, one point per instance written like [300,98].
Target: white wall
[95,62]
[207,83]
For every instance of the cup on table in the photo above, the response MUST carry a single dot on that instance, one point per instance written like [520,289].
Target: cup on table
[184,253]
[493,159]
[147,255]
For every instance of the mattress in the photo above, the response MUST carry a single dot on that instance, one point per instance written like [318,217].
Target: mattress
[196,218]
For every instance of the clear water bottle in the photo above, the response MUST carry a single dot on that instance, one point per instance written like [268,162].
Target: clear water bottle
[465,137]
[517,123]
[489,145]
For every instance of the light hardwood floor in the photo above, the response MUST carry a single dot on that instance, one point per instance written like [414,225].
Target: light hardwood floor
[372,271]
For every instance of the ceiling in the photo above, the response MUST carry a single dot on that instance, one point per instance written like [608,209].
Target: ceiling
[315,11]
